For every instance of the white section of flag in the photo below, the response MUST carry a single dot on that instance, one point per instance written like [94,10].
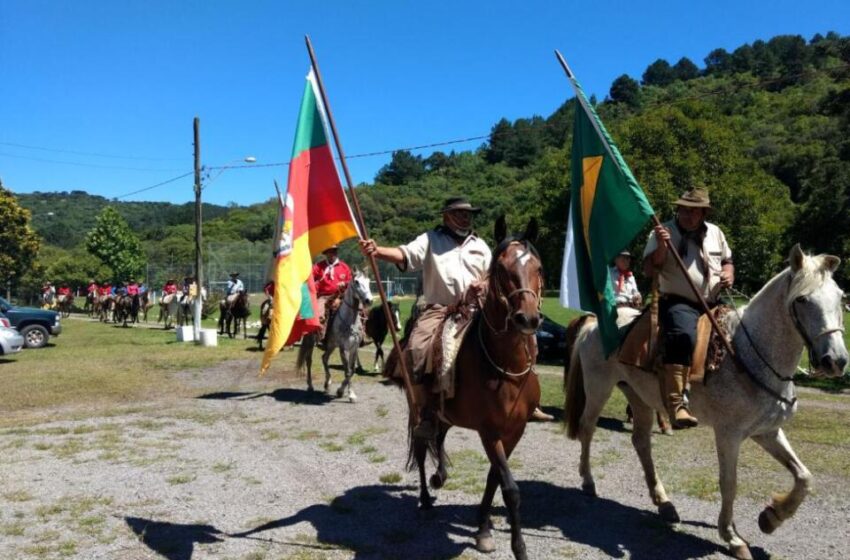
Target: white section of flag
[570,296]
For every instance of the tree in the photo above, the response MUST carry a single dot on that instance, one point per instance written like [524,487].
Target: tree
[18,243]
[403,168]
[659,73]
[718,61]
[685,69]
[625,90]
[114,243]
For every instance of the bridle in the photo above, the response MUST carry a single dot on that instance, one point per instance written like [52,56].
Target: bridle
[505,300]
[810,342]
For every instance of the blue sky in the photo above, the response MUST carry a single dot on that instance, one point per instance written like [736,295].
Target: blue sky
[100,96]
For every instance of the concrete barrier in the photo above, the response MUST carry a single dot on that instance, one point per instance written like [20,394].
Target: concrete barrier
[185,334]
[209,337]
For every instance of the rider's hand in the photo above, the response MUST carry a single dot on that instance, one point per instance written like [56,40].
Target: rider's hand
[662,234]
[727,278]
[368,247]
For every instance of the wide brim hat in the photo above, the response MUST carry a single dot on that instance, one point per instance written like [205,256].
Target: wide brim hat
[624,253]
[459,203]
[696,197]
[331,248]
[234,274]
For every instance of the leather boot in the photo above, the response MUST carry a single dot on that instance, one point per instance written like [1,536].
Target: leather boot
[675,378]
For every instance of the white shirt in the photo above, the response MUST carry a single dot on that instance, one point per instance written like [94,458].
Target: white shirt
[629,289]
[234,287]
[448,267]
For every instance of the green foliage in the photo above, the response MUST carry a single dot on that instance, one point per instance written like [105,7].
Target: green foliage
[18,243]
[115,245]
[403,167]
[625,90]
[659,73]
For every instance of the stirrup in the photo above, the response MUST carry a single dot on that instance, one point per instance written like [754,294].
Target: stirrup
[426,430]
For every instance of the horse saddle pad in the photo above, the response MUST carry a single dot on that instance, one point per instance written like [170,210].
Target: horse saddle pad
[444,350]
[636,349]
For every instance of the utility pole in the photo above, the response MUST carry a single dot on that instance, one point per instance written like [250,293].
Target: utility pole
[199,260]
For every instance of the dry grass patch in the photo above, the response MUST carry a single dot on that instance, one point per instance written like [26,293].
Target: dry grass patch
[17,496]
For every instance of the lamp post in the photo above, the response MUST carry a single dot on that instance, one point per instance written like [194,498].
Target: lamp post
[199,261]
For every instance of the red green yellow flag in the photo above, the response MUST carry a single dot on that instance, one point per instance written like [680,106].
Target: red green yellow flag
[314,215]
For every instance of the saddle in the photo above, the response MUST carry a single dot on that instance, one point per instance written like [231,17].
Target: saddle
[641,342]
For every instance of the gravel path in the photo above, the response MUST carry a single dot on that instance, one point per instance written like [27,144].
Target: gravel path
[257,469]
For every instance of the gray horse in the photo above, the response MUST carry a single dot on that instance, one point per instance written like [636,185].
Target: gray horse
[800,307]
[344,333]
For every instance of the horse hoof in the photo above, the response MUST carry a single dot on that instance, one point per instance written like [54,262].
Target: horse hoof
[485,543]
[339,393]
[740,551]
[426,503]
[352,398]
[589,489]
[668,512]
[768,520]
[436,481]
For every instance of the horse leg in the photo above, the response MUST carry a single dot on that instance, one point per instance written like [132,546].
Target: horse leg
[783,506]
[439,478]
[596,399]
[728,447]
[325,357]
[349,371]
[498,453]
[420,452]
[379,355]
[484,541]
[642,418]
[347,368]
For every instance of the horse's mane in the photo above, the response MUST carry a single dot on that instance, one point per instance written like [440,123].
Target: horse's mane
[812,275]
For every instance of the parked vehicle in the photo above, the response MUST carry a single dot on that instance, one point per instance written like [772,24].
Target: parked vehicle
[11,340]
[35,325]
[551,340]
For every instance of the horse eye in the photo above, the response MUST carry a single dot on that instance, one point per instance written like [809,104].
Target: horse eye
[801,299]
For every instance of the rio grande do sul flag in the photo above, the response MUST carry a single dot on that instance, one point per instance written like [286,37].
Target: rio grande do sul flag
[607,210]
[314,215]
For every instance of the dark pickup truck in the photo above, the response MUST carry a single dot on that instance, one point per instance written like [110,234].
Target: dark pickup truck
[35,325]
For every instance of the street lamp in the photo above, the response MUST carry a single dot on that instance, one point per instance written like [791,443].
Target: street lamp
[199,261]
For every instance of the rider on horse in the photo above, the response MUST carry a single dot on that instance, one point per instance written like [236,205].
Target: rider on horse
[233,289]
[168,291]
[708,261]
[452,258]
[331,276]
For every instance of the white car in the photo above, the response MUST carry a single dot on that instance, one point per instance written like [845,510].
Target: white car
[11,340]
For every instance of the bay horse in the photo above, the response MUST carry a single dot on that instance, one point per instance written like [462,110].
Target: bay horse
[344,332]
[231,315]
[145,305]
[496,387]
[90,305]
[66,303]
[748,397]
[377,329]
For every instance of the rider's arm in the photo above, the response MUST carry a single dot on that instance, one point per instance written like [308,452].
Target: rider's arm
[389,254]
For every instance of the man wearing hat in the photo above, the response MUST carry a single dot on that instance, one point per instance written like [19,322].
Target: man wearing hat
[331,276]
[234,288]
[452,258]
[625,288]
[708,261]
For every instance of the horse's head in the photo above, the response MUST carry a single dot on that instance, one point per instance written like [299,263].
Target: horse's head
[396,316]
[360,287]
[814,302]
[516,276]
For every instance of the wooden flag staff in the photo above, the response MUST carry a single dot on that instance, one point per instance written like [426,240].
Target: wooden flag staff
[411,399]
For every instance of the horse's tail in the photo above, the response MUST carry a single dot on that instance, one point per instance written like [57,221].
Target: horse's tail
[575,398]
[306,348]
[432,451]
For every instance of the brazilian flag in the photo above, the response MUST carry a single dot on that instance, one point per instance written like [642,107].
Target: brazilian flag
[607,210]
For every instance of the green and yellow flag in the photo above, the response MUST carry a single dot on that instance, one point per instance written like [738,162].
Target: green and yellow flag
[607,210]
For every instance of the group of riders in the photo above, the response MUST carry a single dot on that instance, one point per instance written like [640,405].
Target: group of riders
[454,263]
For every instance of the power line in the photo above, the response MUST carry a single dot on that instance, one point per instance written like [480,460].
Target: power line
[94,154]
[155,186]
[79,164]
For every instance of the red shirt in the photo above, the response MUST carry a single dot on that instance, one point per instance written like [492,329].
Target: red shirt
[105,289]
[133,289]
[268,289]
[92,288]
[170,288]
[64,291]
[329,277]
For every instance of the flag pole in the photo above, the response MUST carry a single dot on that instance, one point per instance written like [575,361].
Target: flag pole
[580,97]
[411,399]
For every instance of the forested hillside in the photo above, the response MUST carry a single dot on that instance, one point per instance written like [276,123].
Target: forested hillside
[766,127]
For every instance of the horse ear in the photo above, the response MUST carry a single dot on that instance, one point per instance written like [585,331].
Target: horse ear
[796,258]
[531,231]
[831,262]
[501,229]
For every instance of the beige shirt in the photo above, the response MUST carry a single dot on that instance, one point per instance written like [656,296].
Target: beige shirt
[448,268]
[713,252]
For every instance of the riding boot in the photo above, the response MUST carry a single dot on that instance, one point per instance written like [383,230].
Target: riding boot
[427,427]
[675,378]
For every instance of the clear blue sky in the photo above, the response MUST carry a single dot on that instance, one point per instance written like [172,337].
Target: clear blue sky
[125,79]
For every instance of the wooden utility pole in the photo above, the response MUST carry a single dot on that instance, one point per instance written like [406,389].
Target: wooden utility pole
[199,259]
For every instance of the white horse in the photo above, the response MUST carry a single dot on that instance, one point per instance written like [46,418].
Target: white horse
[169,311]
[752,398]
[344,333]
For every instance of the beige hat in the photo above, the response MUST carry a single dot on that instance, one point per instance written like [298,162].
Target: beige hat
[696,197]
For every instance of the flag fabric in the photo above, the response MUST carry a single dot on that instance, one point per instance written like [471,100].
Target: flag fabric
[314,215]
[607,210]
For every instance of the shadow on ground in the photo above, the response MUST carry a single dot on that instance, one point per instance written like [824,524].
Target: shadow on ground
[288,394]
[383,520]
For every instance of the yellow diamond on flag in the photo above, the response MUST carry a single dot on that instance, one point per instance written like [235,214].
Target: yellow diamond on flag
[590,174]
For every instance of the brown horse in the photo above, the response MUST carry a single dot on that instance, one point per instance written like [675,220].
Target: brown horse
[66,303]
[496,386]
[233,314]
